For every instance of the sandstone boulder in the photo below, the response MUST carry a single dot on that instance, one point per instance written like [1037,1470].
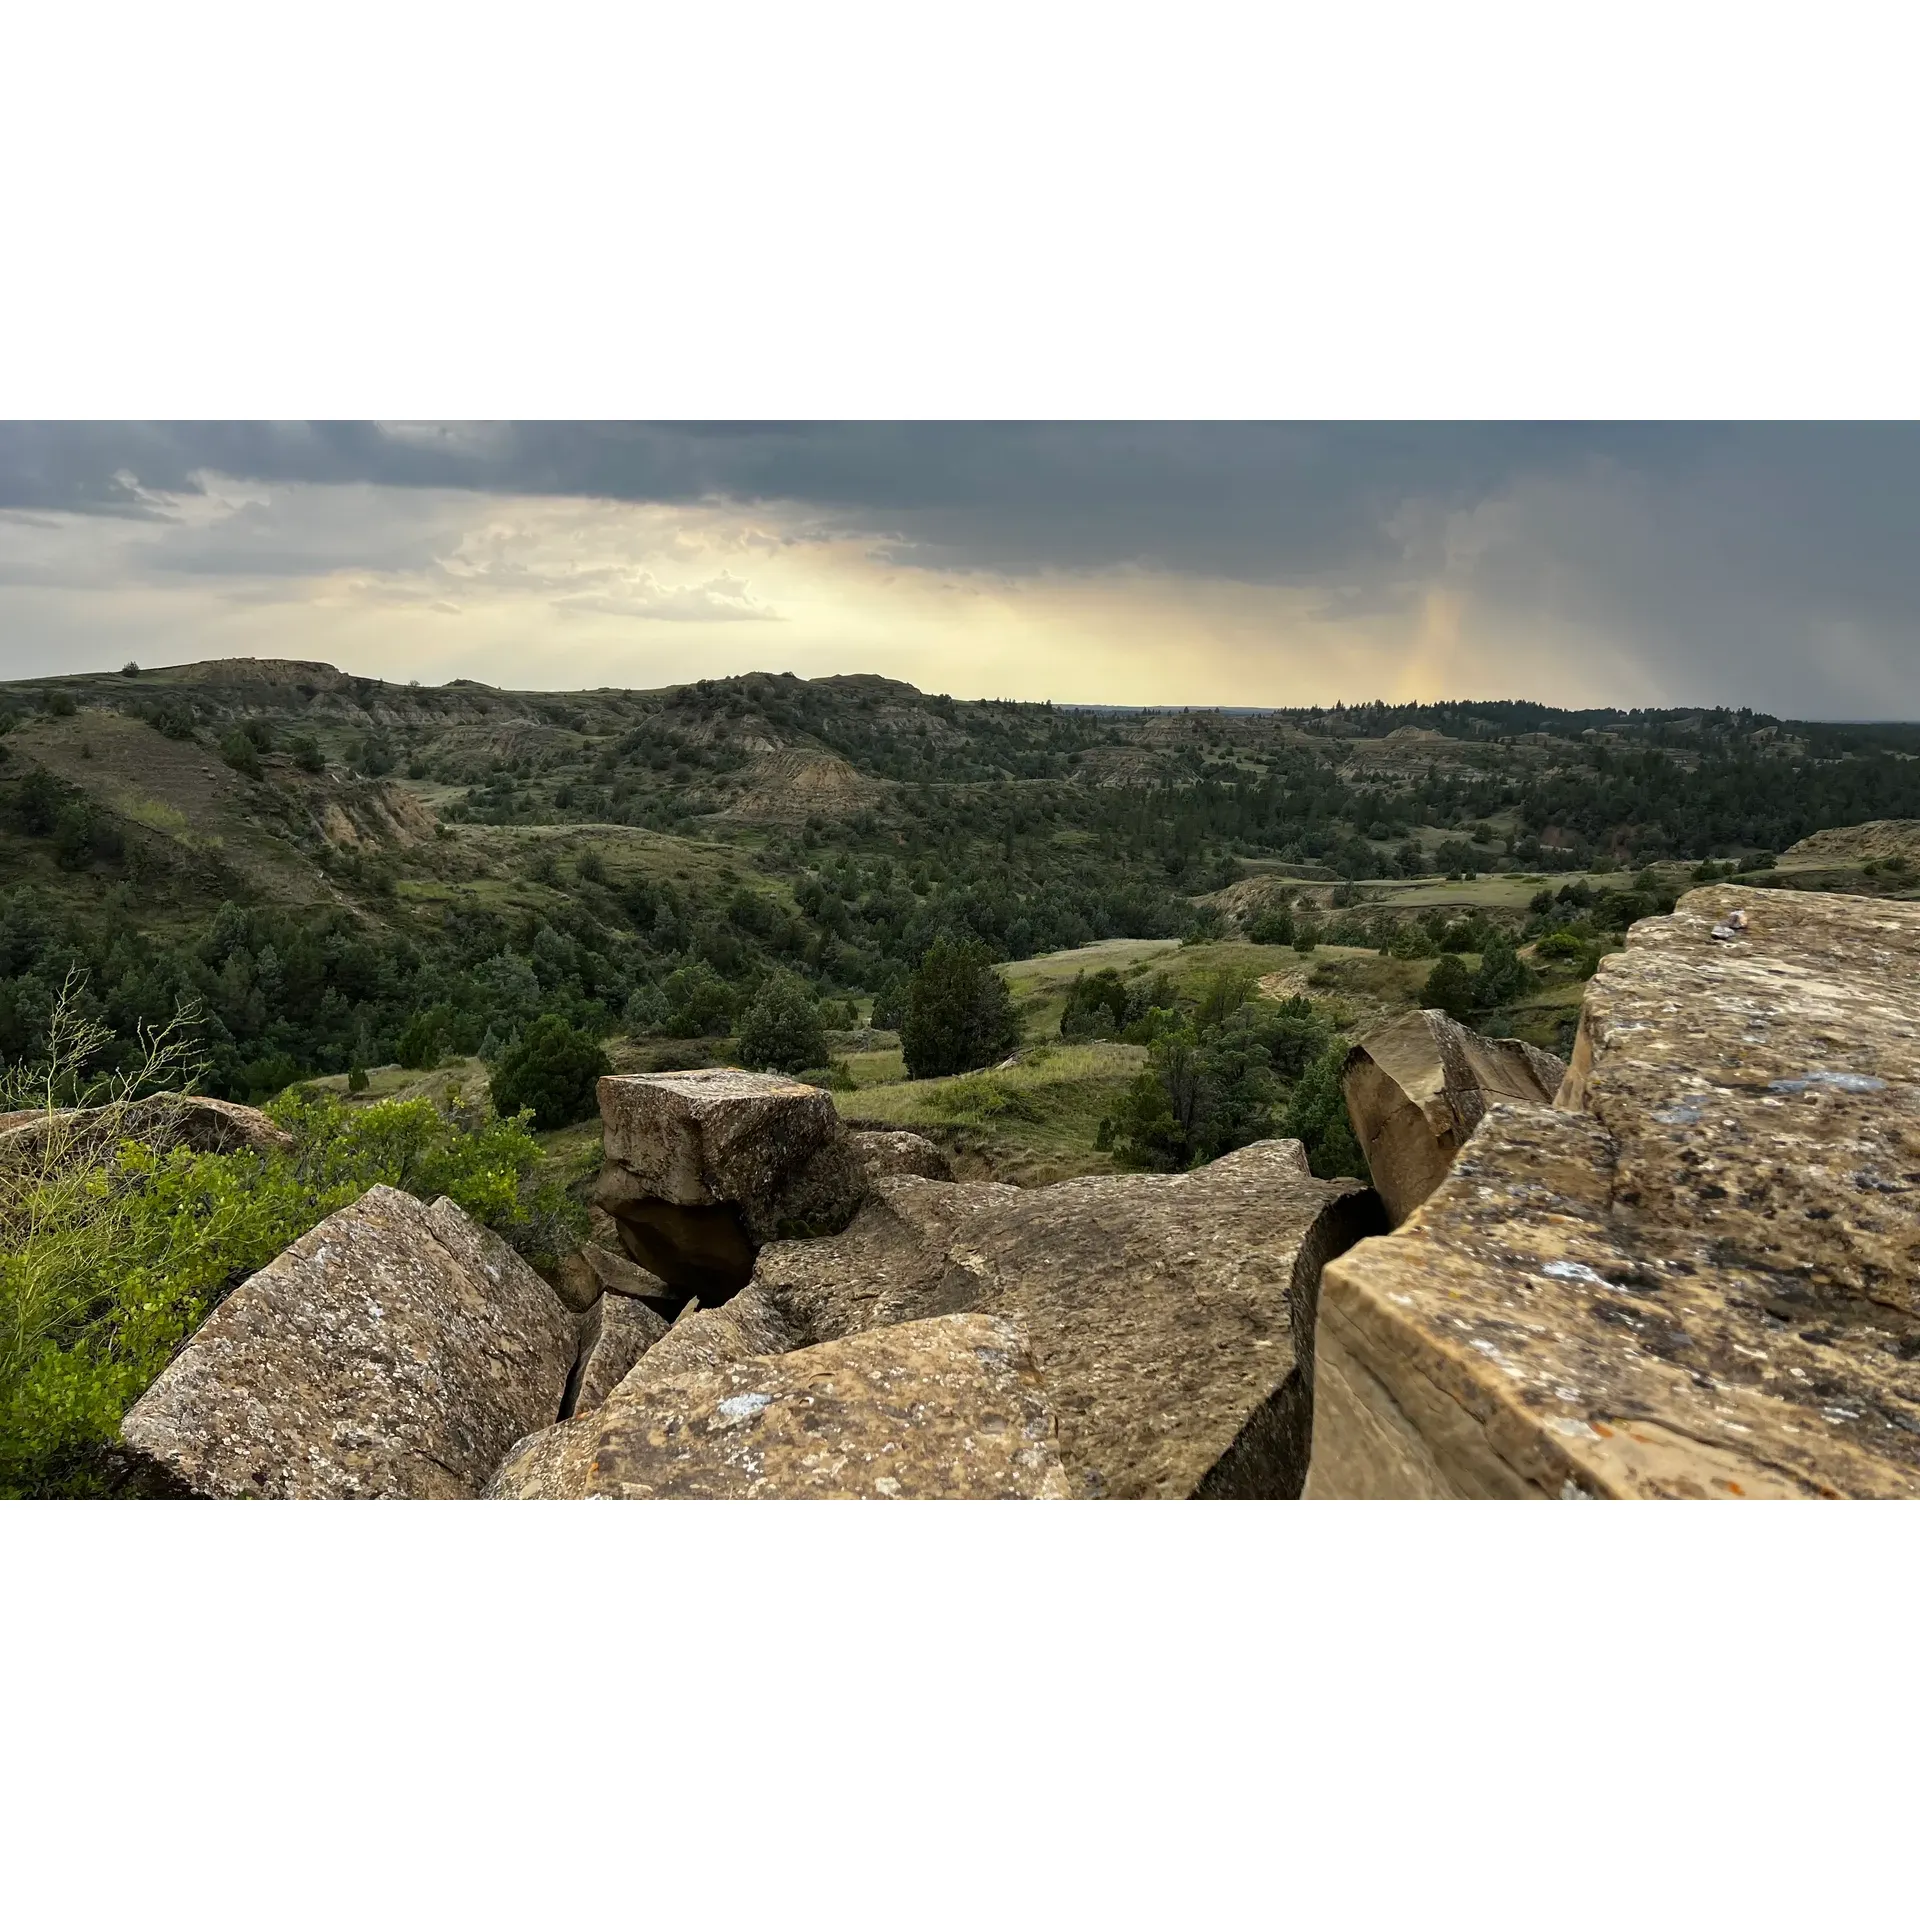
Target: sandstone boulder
[617,1274]
[1171,1315]
[886,1153]
[1698,1274]
[395,1351]
[1416,1090]
[614,1333]
[547,1465]
[945,1408]
[167,1119]
[704,1167]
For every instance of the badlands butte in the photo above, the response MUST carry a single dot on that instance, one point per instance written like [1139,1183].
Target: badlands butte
[1682,1267]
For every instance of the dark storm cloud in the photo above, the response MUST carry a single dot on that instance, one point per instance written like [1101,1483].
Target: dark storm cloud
[1234,501]
[1773,564]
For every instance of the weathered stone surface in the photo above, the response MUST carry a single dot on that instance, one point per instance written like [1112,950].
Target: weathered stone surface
[746,1327]
[705,1166]
[575,1282]
[546,1465]
[1416,1090]
[614,1333]
[619,1275]
[395,1351]
[945,1408]
[887,1153]
[185,1119]
[1171,1315]
[1695,1276]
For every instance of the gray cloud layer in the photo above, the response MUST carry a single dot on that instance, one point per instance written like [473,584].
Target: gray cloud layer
[1771,563]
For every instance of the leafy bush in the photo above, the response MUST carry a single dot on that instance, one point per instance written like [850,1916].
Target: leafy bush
[890,1001]
[959,1013]
[1504,977]
[1096,1006]
[306,753]
[552,1070]
[171,720]
[780,1031]
[422,1043]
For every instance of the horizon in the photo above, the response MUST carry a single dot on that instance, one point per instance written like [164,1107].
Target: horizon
[1070,705]
[1221,565]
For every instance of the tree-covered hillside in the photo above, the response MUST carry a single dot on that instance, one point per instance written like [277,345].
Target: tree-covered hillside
[343,871]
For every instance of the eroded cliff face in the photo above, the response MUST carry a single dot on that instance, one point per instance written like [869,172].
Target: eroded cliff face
[1695,1275]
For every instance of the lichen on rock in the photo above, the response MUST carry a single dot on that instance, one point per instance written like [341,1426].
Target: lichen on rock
[1696,1276]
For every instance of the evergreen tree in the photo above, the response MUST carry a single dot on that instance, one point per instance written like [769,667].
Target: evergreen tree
[780,1031]
[959,1012]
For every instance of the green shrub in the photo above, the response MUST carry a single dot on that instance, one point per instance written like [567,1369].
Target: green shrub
[306,753]
[241,752]
[1271,927]
[421,1045]
[1206,1091]
[1096,1006]
[780,1032]
[959,1013]
[1449,987]
[699,1003]
[552,1070]
[171,720]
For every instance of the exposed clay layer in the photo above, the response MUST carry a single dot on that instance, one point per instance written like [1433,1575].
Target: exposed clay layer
[1697,1275]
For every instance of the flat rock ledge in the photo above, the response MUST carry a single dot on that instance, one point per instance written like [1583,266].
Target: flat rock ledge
[1696,1275]
[949,1408]
[396,1351]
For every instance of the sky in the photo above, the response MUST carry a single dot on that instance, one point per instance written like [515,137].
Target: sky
[1241,564]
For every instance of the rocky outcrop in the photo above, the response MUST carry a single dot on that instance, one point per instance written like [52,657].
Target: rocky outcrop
[614,1332]
[704,1167]
[1416,1090]
[583,1274]
[886,1153]
[167,1119]
[944,1408]
[1171,1315]
[1695,1275]
[395,1351]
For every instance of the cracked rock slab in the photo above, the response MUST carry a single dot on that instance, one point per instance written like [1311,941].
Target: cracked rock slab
[1416,1090]
[948,1408]
[1172,1315]
[614,1333]
[396,1351]
[1698,1274]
